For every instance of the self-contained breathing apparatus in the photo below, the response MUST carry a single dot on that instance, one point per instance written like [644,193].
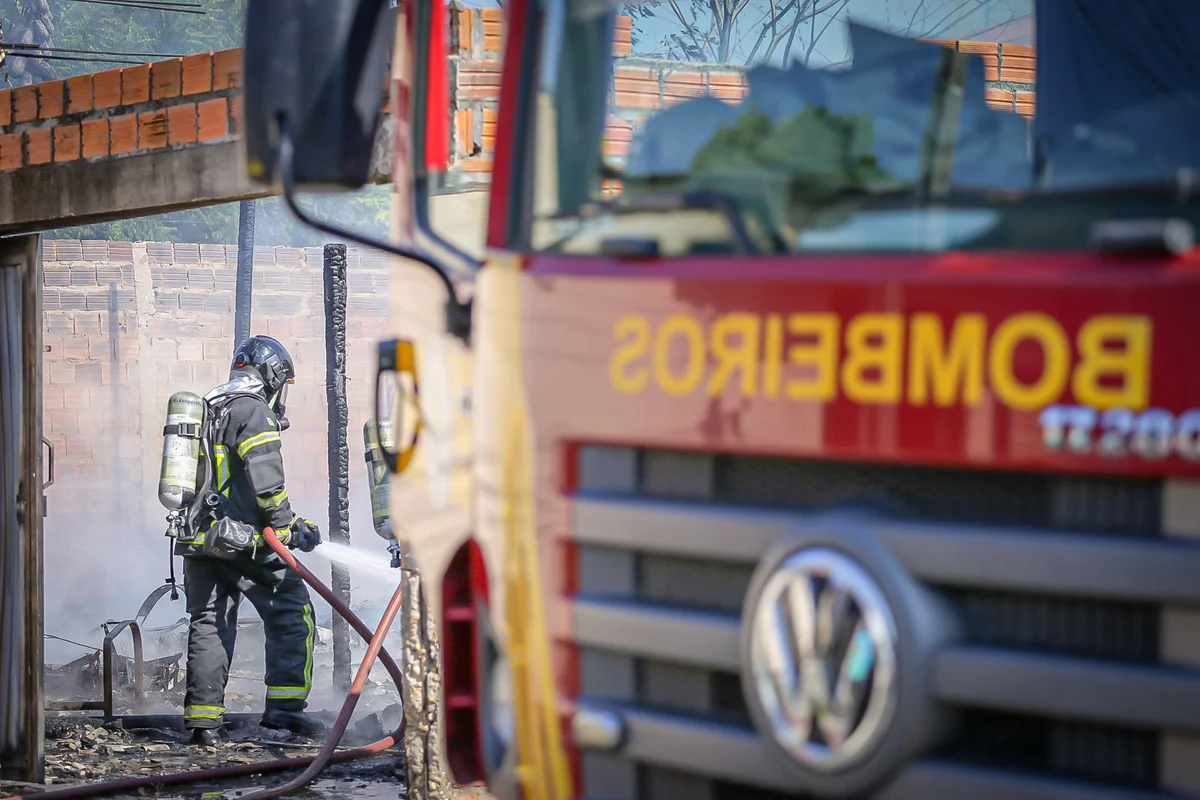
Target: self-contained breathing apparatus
[375,437]
[189,471]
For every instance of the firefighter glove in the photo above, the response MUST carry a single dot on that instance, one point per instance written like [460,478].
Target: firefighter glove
[305,535]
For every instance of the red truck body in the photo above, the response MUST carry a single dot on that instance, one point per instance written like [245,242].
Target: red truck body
[976,466]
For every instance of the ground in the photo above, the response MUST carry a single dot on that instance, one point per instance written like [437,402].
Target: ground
[80,751]
[148,739]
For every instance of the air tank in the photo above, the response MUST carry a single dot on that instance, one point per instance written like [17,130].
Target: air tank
[180,469]
[377,475]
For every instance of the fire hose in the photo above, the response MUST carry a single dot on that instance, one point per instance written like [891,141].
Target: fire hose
[313,764]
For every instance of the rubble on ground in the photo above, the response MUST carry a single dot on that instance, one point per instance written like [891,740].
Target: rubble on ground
[83,749]
[147,738]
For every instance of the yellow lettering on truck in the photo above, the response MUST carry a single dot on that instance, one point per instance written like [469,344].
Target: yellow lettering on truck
[1056,361]
[885,358]
[819,351]
[690,334]
[735,339]
[625,374]
[871,366]
[1129,363]
[954,369]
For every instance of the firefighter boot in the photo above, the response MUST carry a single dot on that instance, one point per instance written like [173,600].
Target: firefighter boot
[296,722]
[206,737]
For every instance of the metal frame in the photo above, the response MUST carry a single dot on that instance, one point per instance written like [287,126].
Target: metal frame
[22,720]
[113,629]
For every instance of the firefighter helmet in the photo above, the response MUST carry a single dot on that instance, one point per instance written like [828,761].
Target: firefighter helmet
[266,358]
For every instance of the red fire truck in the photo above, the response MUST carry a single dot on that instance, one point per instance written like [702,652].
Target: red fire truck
[836,434]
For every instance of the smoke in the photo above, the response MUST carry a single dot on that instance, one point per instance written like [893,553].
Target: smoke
[104,545]
[101,569]
[100,564]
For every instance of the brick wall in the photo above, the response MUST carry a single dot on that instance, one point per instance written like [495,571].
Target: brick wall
[476,47]
[125,326]
[196,100]
[180,102]
[642,85]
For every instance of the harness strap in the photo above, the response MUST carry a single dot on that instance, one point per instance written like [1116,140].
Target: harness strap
[188,429]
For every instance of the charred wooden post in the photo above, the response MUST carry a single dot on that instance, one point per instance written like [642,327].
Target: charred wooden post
[243,293]
[339,445]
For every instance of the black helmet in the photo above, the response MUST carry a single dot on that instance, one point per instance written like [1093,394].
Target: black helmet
[266,358]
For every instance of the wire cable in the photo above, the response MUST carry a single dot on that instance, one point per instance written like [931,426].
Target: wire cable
[72,641]
[86,59]
[146,6]
[168,3]
[13,47]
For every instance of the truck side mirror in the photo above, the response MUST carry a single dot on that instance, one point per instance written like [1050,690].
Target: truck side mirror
[397,359]
[315,69]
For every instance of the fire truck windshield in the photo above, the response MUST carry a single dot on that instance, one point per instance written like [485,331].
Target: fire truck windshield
[887,125]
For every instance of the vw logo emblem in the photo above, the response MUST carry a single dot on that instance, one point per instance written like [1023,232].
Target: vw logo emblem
[822,652]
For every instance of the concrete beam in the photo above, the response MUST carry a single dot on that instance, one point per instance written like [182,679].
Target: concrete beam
[81,193]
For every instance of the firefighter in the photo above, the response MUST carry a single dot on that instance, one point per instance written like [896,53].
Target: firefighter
[248,414]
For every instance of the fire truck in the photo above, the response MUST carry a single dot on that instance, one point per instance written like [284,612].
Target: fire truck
[835,407]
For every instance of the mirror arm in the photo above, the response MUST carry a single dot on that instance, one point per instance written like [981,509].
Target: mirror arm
[458,314]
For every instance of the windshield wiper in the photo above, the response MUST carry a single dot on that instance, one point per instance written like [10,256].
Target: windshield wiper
[1129,236]
[668,201]
[1184,185]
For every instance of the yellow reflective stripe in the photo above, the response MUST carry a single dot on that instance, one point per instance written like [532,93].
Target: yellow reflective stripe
[197,537]
[203,712]
[266,437]
[274,501]
[308,647]
[222,457]
[300,692]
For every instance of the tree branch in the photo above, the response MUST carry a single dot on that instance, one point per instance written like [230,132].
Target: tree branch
[769,26]
[817,37]
[687,26]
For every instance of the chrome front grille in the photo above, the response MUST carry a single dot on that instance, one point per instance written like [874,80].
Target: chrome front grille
[1091,505]
[1058,582]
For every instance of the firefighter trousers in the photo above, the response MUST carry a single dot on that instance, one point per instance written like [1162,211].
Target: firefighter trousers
[214,591]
